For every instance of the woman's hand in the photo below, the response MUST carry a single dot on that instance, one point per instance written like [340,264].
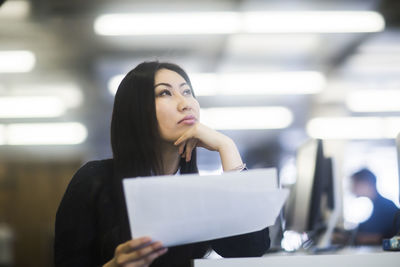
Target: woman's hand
[200,135]
[136,252]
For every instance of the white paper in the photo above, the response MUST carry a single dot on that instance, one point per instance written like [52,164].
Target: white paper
[184,209]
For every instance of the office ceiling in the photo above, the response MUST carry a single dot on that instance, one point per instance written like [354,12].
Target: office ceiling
[61,35]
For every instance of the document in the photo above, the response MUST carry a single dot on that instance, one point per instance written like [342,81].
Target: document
[183,209]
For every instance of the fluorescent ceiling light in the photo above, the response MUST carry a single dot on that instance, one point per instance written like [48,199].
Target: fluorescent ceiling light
[278,83]
[238,22]
[45,133]
[313,22]
[242,45]
[167,23]
[31,107]
[16,61]
[15,10]
[40,101]
[236,118]
[373,100]
[379,63]
[204,84]
[70,94]
[272,83]
[354,127]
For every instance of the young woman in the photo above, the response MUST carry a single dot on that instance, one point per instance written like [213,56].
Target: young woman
[155,130]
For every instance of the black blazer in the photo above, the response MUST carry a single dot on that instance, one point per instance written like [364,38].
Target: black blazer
[87,230]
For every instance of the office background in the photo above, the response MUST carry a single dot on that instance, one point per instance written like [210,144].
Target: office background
[270,74]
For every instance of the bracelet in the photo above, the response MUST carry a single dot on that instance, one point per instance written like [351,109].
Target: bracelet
[240,168]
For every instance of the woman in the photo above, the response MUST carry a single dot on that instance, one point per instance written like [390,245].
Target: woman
[155,130]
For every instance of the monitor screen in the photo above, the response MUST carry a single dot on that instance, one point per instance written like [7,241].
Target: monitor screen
[297,206]
[313,190]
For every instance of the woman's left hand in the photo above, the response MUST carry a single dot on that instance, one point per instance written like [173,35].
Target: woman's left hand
[200,135]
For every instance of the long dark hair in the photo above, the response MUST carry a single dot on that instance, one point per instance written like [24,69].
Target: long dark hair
[135,138]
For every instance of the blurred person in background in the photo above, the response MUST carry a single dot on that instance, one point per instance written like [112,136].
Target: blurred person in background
[380,224]
[155,130]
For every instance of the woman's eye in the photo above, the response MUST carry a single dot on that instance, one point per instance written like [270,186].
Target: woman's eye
[187,92]
[164,92]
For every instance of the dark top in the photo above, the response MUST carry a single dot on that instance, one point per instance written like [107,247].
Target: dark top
[87,231]
[381,220]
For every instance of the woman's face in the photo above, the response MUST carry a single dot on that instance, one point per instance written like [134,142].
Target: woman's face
[176,108]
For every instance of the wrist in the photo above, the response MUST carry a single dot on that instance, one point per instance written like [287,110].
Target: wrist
[225,143]
[230,156]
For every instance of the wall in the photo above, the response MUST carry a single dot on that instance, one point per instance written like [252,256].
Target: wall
[30,193]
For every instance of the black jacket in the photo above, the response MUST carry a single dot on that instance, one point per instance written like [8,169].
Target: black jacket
[87,231]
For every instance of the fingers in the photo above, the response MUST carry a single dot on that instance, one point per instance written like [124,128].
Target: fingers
[147,260]
[190,145]
[185,149]
[181,148]
[142,256]
[186,143]
[188,134]
[206,137]
[180,140]
[132,245]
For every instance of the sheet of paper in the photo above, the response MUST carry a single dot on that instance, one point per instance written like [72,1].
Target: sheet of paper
[184,209]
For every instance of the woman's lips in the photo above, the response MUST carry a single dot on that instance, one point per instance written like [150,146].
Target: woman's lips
[188,120]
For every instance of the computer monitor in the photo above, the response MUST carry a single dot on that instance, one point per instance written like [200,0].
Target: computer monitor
[322,197]
[313,193]
[298,205]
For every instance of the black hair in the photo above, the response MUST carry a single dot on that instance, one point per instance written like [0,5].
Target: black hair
[364,175]
[135,138]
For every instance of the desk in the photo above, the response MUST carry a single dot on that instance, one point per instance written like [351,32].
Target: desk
[344,258]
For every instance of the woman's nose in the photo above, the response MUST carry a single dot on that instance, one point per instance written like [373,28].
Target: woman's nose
[183,104]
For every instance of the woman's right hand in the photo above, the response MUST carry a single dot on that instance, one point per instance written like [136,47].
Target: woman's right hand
[136,252]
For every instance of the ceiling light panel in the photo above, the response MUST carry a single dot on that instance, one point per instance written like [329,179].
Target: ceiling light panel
[354,127]
[17,61]
[70,133]
[373,100]
[238,22]
[246,118]
[167,23]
